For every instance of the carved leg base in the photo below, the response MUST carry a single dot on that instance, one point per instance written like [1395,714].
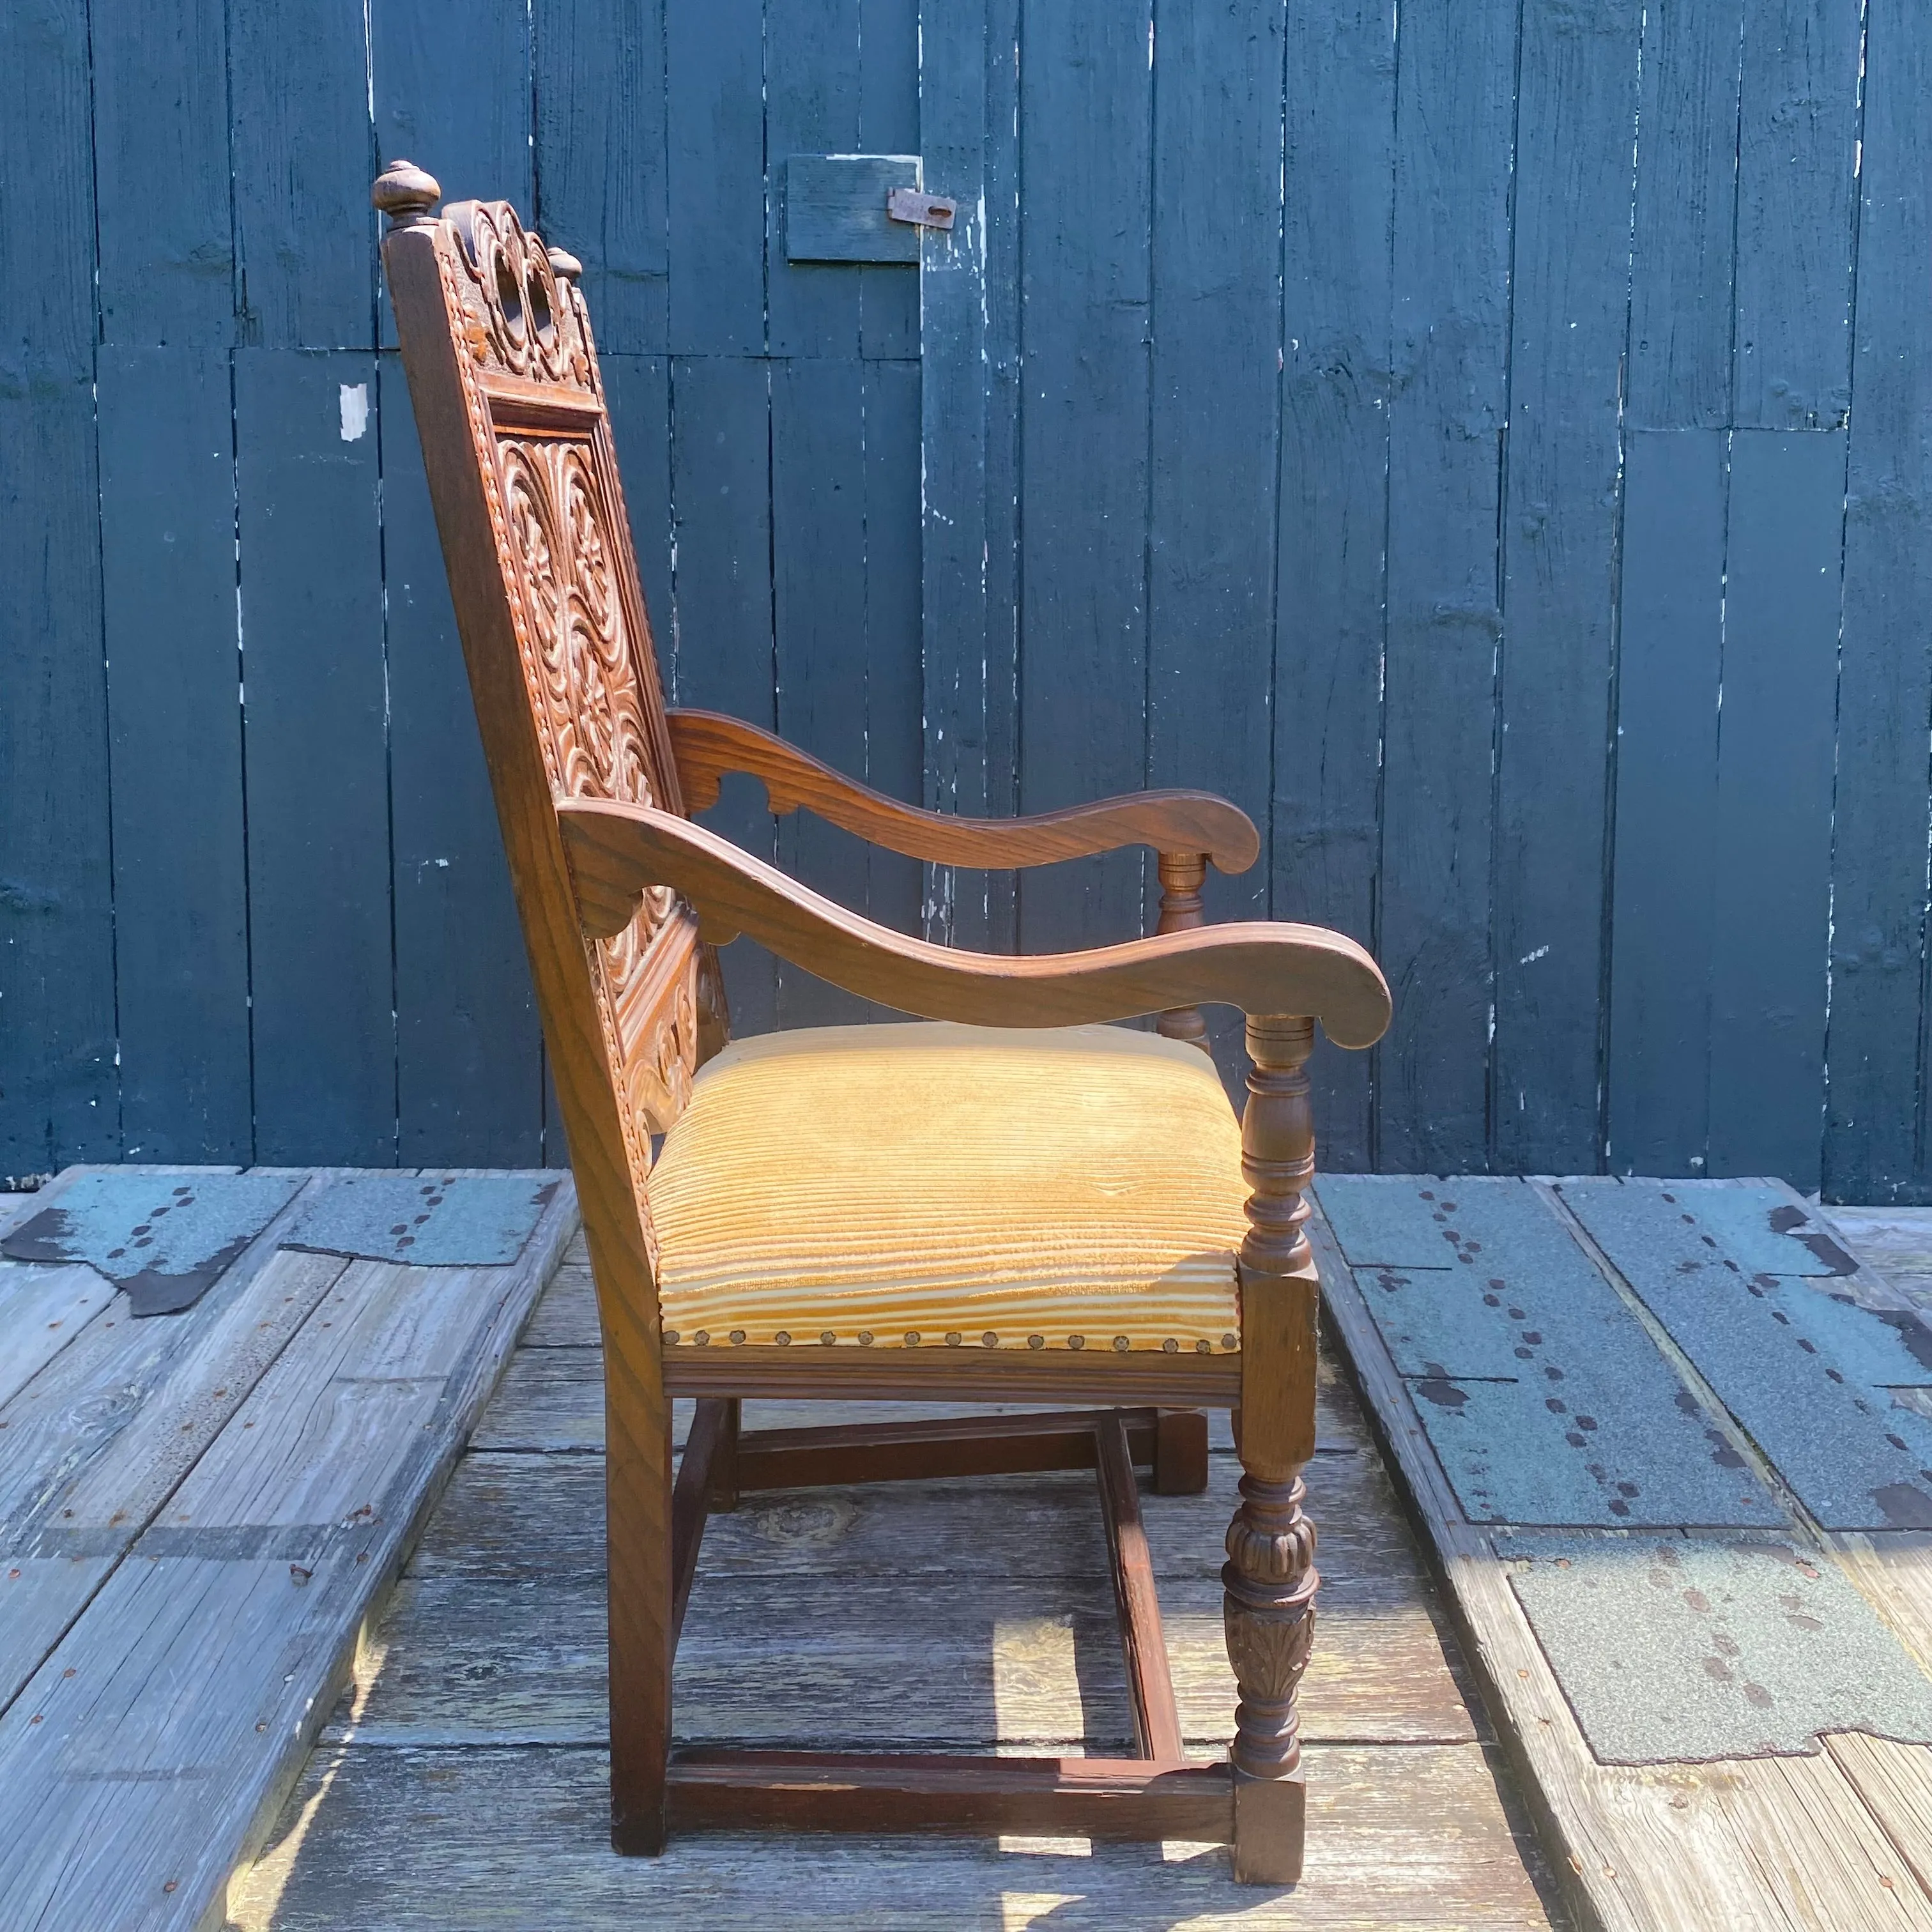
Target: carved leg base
[1268,1610]
[1271,1828]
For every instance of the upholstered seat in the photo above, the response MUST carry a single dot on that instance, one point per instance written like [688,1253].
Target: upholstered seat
[937,1185]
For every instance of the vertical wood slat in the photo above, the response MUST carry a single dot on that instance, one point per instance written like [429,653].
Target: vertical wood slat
[1773,823]
[1086,121]
[1213,426]
[57,1021]
[722,647]
[304,233]
[1330,577]
[1683,224]
[818,557]
[1446,417]
[714,88]
[598,76]
[174,705]
[467,1041]
[323,989]
[1570,283]
[1874,1131]
[165,213]
[1670,666]
[969,328]
[452,79]
[811,106]
[1797,138]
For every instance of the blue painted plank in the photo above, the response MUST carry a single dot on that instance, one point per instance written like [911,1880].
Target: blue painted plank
[722,654]
[1670,666]
[1213,427]
[301,137]
[164,1238]
[1685,1650]
[451,80]
[637,390]
[889,124]
[894,725]
[467,1031]
[968,644]
[59,1093]
[1570,283]
[174,709]
[1455,117]
[818,563]
[1797,160]
[1086,109]
[162,171]
[323,982]
[714,89]
[1855,1460]
[811,112]
[429,1219]
[1874,1128]
[1774,810]
[1683,228]
[1331,583]
[600,159]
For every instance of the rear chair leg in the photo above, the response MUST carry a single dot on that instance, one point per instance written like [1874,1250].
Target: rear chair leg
[1270,1579]
[637,1487]
[1179,1452]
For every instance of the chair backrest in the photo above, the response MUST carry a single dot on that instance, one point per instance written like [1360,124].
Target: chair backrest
[517,442]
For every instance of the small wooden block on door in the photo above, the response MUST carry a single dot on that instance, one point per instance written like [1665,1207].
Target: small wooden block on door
[835,208]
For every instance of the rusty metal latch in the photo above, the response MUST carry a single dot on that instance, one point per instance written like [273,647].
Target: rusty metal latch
[914,206]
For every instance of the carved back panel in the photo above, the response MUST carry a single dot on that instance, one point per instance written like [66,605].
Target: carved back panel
[503,374]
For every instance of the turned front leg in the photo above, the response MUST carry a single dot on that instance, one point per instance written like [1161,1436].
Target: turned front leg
[1270,1578]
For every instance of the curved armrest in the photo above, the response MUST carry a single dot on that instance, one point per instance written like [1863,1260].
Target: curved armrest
[708,745]
[616,851]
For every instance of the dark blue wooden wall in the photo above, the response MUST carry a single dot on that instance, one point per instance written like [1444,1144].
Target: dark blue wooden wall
[1498,452]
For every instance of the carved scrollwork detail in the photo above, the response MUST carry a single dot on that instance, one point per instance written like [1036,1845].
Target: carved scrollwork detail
[517,314]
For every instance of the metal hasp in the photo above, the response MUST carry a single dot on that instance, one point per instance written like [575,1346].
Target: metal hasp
[921,210]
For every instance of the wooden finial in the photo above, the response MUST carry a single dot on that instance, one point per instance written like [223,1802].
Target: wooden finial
[563,265]
[405,193]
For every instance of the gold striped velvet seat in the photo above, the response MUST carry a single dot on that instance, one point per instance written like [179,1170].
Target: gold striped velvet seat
[938,1186]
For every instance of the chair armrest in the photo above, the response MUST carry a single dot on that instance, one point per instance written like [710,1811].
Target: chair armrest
[708,745]
[616,851]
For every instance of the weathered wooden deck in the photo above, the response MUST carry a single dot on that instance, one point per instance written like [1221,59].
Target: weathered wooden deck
[461,1783]
[185,1568]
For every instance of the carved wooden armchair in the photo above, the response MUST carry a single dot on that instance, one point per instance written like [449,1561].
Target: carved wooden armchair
[1053,1210]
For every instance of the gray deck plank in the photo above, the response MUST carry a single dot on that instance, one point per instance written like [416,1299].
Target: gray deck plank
[154,1744]
[524,1516]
